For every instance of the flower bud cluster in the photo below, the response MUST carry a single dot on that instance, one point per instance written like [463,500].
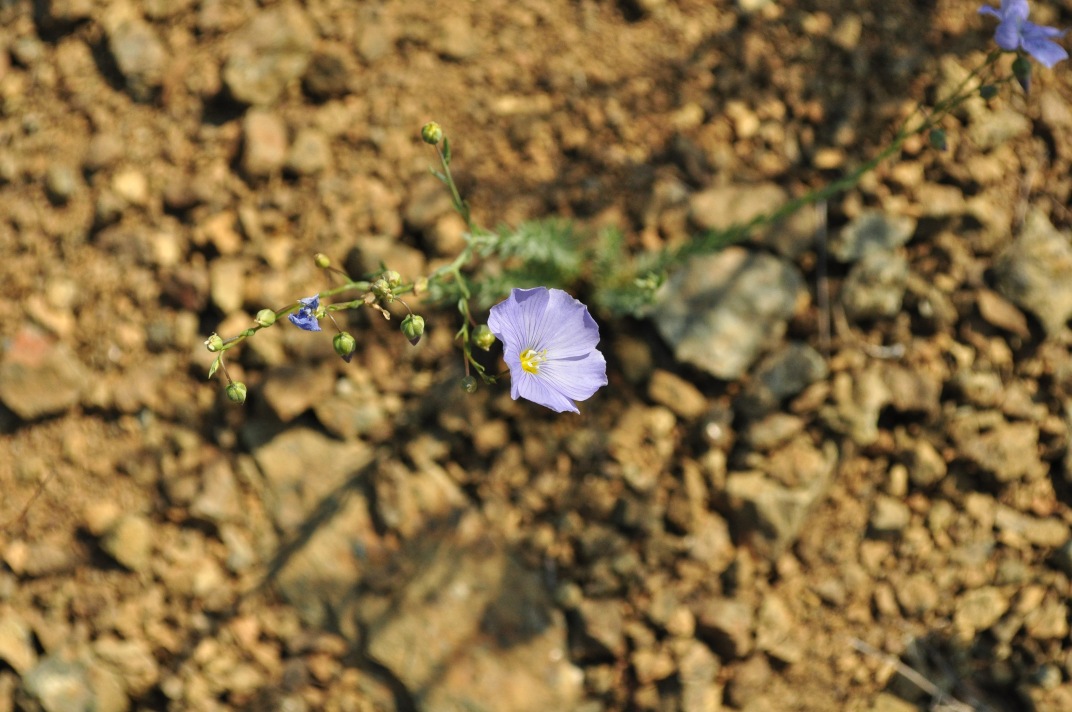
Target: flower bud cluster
[382,289]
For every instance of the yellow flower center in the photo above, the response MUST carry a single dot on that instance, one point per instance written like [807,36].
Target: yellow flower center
[531,360]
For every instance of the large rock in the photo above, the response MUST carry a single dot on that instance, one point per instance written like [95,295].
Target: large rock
[438,599]
[130,542]
[447,609]
[138,51]
[319,578]
[1035,272]
[16,642]
[71,683]
[781,375]
[330,73]
[304,471]
[264,143]
[858,401]
[273,50]
[771,506]
[39,377]
[471,629]
[875,286]
[600,629]
[1008,451]
[871,231]
[722,207]
[721,311]
[990,129]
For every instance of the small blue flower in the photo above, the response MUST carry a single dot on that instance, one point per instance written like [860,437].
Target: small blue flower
[549,343]
[305,317]
[1015,32]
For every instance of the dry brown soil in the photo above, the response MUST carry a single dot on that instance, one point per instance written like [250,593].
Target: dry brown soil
[149,529]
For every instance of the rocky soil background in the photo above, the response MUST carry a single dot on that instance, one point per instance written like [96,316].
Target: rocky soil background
[829,473]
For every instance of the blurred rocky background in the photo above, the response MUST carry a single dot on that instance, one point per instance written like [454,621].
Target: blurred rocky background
[830,472]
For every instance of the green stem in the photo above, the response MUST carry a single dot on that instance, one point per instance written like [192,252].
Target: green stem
[235,340]
[459,204]
[715,239]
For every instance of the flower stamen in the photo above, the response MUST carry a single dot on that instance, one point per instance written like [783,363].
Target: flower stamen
[531,360]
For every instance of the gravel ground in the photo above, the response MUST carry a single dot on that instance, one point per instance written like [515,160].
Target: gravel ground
[830,471]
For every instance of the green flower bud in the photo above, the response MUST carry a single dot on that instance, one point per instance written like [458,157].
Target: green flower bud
[413,328]
[236,392]
[469,384]
[937,140]
[393,278]
[1021,69]
[345,345]
[322,261]
[265,317]
[988,91]
[431,133]
[381,289]
[214,343]
[483,337]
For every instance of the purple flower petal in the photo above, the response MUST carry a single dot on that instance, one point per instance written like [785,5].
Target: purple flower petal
[1014,32]
[1007,36]
[1037,43]
[305,317]
[531,388]
[549,344]
[1014,10]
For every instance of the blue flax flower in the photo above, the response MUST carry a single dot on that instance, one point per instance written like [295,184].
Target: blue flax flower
[305,317]
[549,343]
[1015,32]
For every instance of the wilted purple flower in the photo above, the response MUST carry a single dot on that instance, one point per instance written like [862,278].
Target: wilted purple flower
[1015,32]
[549,343]
[305,317]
